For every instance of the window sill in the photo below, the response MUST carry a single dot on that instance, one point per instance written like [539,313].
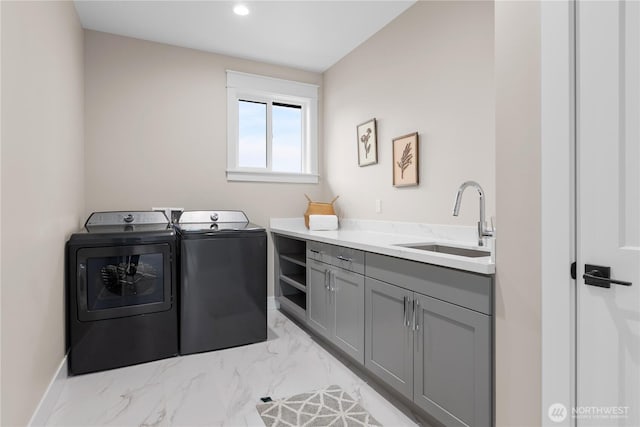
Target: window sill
[294,178]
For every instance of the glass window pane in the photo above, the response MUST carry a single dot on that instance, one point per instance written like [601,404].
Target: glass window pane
[252,134]
[287,138]
[120,281]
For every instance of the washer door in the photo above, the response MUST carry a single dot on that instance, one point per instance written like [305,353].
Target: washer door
[123,281]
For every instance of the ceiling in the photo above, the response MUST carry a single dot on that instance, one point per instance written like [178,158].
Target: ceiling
[305,34]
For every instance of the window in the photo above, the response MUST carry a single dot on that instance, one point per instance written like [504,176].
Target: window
[271,129]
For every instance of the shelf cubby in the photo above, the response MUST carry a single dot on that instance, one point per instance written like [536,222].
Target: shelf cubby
[296,258]
[298,281]
[291,275]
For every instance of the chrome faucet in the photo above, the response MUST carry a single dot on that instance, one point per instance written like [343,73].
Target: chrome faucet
[483,231]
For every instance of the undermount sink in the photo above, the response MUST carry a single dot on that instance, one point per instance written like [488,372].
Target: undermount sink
[451,250]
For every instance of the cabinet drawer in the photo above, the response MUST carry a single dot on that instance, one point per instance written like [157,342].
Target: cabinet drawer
[347,258]
[470,290]
[319,251]
[338,256]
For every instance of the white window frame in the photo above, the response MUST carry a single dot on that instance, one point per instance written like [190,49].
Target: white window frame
[252,87]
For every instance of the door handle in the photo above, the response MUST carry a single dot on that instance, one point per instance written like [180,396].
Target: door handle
[326,280]
[82,271]
[600,276]
[416,326]
[413,316]
[405,319]
[332,274]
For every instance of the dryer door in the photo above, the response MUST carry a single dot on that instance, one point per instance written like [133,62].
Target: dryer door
[123,281]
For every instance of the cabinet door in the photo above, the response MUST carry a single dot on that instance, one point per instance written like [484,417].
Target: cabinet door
[389,341]
[318,298]
[453,363]
[348,312]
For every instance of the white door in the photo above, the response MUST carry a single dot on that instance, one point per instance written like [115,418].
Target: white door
[608,212]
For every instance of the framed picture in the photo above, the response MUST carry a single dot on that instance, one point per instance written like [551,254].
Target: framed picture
[405,160]
[367,143]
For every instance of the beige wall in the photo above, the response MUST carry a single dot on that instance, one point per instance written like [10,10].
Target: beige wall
[518,262]
[42,191]
[156,119]
[431,71]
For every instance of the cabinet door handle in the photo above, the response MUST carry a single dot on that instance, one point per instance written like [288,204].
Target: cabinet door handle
[413,316]
[405,320]
[332,274]
[326,280]
[416,323]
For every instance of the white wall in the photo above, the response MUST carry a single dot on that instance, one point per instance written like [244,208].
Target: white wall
[430,70]
[156,135]
[518,215]
[0,216]
[42,192]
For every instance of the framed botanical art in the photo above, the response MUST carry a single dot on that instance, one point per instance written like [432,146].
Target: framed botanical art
[367,143]
[405,160]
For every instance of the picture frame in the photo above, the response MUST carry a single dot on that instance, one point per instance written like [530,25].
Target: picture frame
[367,143]
[405,163]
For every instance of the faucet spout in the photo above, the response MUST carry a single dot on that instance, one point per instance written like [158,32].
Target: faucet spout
[456,206]
[483,231]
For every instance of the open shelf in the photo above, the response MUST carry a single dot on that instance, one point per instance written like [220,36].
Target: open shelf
[296,258]
[298,281]
[298,299]
[291,275]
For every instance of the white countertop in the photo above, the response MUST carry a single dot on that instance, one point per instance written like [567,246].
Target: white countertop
[382,237]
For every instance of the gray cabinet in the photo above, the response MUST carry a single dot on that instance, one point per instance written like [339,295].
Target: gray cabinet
[388,338]
[433,352]
[424,330]
[348,312]
[463,288]
[452,363]
[318,298]
[338,256]
[335,306]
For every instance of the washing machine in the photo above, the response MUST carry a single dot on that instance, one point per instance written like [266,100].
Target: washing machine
[223,280]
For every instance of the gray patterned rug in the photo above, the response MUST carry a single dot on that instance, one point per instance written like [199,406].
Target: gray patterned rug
[331,406]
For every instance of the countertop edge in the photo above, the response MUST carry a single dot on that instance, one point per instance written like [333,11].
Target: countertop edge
[458,264]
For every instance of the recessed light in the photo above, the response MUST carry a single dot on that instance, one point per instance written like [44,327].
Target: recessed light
[241,10]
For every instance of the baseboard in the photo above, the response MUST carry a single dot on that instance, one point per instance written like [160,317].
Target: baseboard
[272,303]
[50,398]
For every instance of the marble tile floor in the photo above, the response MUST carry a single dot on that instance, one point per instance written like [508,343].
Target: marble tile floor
[218,388]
